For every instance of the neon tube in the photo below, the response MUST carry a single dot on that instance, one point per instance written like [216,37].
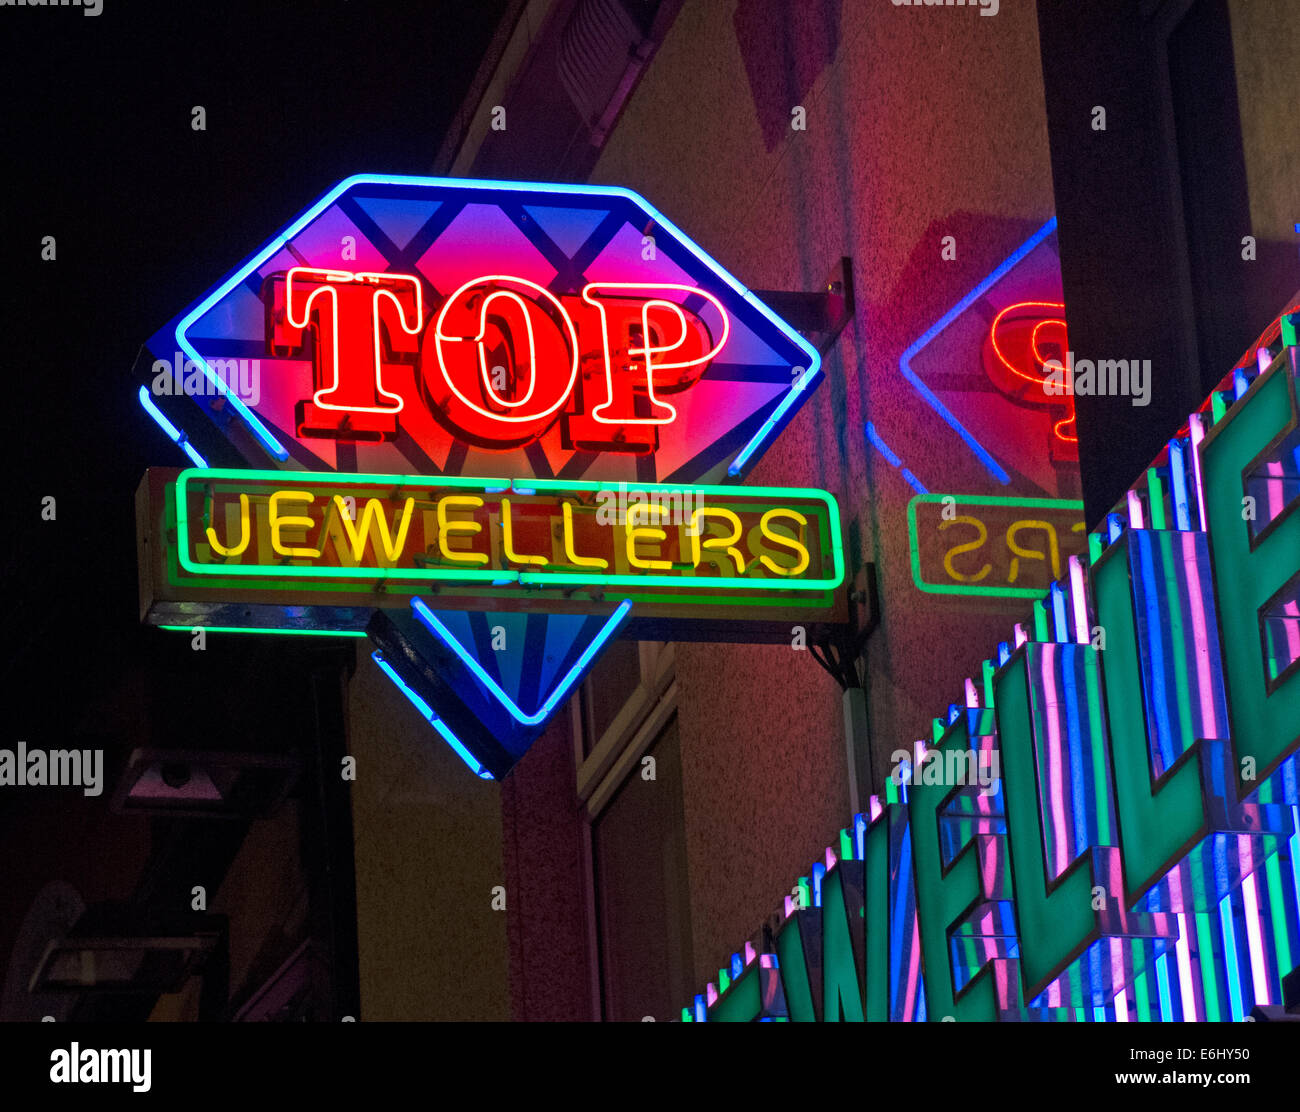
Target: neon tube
[281,242]
[1178,477]
[427,713]
[430,621]
[1079,601]
[177,437]
[278,632]
[905,361]
[1136,520]
[1230,959]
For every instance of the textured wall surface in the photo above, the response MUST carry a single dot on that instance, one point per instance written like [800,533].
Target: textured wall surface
[550,978]
[1267,53]
[428,853]
[921,123]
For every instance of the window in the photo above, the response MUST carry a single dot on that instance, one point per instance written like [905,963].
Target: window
[630,785]
[638,855]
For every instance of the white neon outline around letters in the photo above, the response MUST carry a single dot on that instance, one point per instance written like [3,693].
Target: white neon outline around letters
[648,351]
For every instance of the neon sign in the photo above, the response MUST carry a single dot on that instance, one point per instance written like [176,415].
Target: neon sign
[457,327]
[1140,857]
[297,552]
[501,360]
[1001,332]
[344,315]
[546,534]
[453,376]
[1018,336]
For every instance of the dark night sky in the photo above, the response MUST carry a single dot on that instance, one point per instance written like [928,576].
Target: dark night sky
[148,214]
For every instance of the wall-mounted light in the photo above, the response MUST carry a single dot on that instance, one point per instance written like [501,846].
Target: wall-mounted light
[203,784]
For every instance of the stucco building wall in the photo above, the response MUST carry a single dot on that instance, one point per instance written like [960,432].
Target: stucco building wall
[920,123]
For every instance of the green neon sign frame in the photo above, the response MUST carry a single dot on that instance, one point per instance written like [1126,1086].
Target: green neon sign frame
[913,542]
[523,488]
[267,630]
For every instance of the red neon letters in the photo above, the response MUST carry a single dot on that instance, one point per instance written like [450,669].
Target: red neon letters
[499,361]
[343,311]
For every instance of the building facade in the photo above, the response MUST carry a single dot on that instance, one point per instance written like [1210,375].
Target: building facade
[661,822]
[1028,242]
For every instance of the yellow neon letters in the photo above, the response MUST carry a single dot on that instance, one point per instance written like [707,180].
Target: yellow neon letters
[569,553]
[459,528]
[792,543]
[722,544]
[508,540]
[649,532]
[245,532]
[278,522]
[404,528]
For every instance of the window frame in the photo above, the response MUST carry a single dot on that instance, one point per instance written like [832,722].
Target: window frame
[604,766]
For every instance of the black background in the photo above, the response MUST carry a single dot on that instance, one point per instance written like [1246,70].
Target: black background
[148,214]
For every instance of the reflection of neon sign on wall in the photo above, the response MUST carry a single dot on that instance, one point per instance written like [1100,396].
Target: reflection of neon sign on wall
[1019,337]
[1018,365]
[978,545]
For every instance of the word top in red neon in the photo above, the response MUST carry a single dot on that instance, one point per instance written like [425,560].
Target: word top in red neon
[441,326]
[499,361]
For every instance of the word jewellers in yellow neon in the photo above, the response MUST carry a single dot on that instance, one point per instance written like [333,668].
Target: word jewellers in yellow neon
[540,532]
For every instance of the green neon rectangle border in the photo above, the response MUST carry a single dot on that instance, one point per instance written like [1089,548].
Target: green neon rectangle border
[513,592]
[979,500]
[268,630]
[497,486]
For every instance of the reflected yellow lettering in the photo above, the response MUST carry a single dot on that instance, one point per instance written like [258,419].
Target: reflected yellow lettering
[1029,553]
[969,546]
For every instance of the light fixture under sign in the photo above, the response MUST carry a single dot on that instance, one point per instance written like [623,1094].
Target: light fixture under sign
[204,784]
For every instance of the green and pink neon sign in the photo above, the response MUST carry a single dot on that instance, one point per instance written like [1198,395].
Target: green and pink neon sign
[1138,856]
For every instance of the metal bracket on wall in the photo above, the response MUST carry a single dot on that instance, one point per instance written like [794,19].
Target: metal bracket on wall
[840,652]
[822,314]
[839,649]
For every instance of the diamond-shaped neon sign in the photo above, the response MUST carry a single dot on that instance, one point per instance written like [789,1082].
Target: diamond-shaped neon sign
[448,326]
[564,339]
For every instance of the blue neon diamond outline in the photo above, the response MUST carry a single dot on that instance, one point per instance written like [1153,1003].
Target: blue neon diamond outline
[430,621]
[165,423]
[427,713]
[798,389]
